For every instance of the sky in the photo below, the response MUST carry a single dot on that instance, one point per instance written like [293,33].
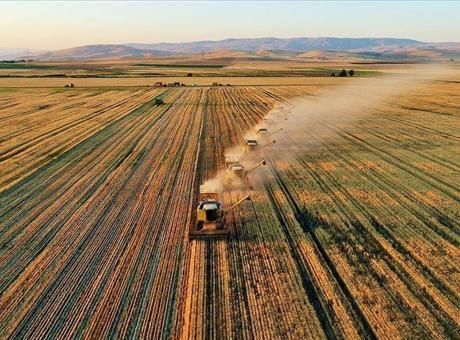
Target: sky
[55,25]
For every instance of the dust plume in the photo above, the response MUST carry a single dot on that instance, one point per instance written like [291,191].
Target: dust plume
[306,121]
[213,185]
[343,106]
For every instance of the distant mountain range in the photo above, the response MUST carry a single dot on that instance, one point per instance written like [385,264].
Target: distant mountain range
[293,44]
[381,47]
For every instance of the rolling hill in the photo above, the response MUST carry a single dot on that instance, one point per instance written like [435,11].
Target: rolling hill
[100,52]
[378,48]
[292,44]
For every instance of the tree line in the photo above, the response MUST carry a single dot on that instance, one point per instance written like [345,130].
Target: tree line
[343,73]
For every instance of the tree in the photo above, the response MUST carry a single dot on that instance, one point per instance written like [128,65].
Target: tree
[343,73]
[189,75]
[351,73]
[332,74]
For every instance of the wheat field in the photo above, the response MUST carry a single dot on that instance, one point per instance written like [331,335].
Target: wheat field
[351,236]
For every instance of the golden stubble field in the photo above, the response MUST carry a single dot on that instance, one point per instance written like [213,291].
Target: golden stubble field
[355,235]
[224,67]
[47,82]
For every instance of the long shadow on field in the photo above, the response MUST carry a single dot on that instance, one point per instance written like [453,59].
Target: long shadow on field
[284,205]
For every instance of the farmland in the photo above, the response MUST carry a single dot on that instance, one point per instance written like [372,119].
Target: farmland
[197,66]
[351,236]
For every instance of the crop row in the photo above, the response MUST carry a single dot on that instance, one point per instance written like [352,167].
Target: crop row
[353,235]
[92,242]
[93,239]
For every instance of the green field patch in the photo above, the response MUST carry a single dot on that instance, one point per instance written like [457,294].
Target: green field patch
[23,66]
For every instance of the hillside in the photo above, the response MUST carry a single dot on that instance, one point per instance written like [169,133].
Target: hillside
[99,52]
[358,48]
[292,44]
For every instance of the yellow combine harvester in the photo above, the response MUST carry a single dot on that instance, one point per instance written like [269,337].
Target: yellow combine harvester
[253,145]
[211,217]
[231,159]
[261,130]
[250,145]
[236,176]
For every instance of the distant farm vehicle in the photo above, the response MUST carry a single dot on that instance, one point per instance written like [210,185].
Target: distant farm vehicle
[69,85]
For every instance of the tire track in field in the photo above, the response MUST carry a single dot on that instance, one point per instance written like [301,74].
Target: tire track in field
[365,327]
[427,302]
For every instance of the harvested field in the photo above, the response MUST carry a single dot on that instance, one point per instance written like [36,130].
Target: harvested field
[353,236]
[17,82]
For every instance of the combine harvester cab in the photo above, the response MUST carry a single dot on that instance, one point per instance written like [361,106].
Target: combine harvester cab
[250,145]
[261,130]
